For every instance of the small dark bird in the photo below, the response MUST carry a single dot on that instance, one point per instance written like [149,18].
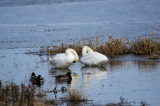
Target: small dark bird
[33,77]
[64,78]
[37,80]
[40,80]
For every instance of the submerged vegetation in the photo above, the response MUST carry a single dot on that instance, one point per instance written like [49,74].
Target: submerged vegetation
[110,46]
[125,102]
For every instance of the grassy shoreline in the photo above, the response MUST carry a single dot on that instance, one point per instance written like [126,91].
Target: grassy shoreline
[110,46]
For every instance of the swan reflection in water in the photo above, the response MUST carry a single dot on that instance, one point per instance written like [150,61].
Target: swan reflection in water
[93,74]
[61,75]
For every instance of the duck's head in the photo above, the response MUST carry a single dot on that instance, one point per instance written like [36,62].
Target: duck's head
[68,74]
[33,74]
[39,77]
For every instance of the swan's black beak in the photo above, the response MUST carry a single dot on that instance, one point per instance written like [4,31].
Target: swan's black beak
[74,61]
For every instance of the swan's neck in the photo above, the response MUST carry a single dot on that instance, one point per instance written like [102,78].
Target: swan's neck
[73,52]
[86,50]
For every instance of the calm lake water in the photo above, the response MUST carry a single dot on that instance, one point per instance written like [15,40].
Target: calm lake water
[25,27]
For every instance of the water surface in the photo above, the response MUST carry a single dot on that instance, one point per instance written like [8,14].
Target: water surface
[134,80]
[41,24]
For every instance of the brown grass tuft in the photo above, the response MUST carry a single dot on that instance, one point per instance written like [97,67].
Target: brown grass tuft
[75,95]
[113,47]
[144,45]
[12,94]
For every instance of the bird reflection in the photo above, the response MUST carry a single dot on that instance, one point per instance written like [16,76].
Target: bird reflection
[93,74]
[61,75]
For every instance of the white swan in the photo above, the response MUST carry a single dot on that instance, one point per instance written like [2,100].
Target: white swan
[91,58]
[64,60]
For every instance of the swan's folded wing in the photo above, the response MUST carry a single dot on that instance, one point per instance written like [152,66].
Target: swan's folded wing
[57,59]
[61,61]
[94,58]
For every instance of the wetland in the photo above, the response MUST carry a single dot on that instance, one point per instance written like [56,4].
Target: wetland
[127,32]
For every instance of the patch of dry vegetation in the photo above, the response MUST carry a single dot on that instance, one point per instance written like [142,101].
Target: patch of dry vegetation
[75,95]
[110,46]
[144,45]
[12,94]
[113,47]
[26,95]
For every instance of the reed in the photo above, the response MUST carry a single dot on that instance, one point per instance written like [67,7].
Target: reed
[110,46]
[12,94]
[75,95]
[144,45]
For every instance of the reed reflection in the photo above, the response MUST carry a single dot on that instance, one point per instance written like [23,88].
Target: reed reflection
[115,64]
[147,65]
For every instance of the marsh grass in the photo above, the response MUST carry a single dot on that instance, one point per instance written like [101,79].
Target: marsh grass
[110,46]
[12,94]
[75,95]
[144,45]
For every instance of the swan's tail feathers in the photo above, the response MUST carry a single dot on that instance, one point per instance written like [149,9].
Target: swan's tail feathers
[50,60]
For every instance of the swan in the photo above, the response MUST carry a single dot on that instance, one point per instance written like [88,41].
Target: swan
[92,58]
[64,60]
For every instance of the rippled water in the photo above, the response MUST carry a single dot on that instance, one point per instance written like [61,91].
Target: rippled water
[37,25]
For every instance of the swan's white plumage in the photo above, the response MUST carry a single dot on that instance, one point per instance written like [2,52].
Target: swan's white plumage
[64,60]
[92,58]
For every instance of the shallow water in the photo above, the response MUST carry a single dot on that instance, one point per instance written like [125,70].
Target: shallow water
[24,29]
[134,80]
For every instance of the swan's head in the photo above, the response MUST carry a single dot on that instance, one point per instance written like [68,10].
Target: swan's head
[86,50]
[76,58]
[40,77]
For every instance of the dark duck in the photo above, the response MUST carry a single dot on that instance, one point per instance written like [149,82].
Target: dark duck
[37,80]
[64,78]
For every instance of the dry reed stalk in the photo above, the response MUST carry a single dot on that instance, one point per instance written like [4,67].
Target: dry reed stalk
[111,47]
